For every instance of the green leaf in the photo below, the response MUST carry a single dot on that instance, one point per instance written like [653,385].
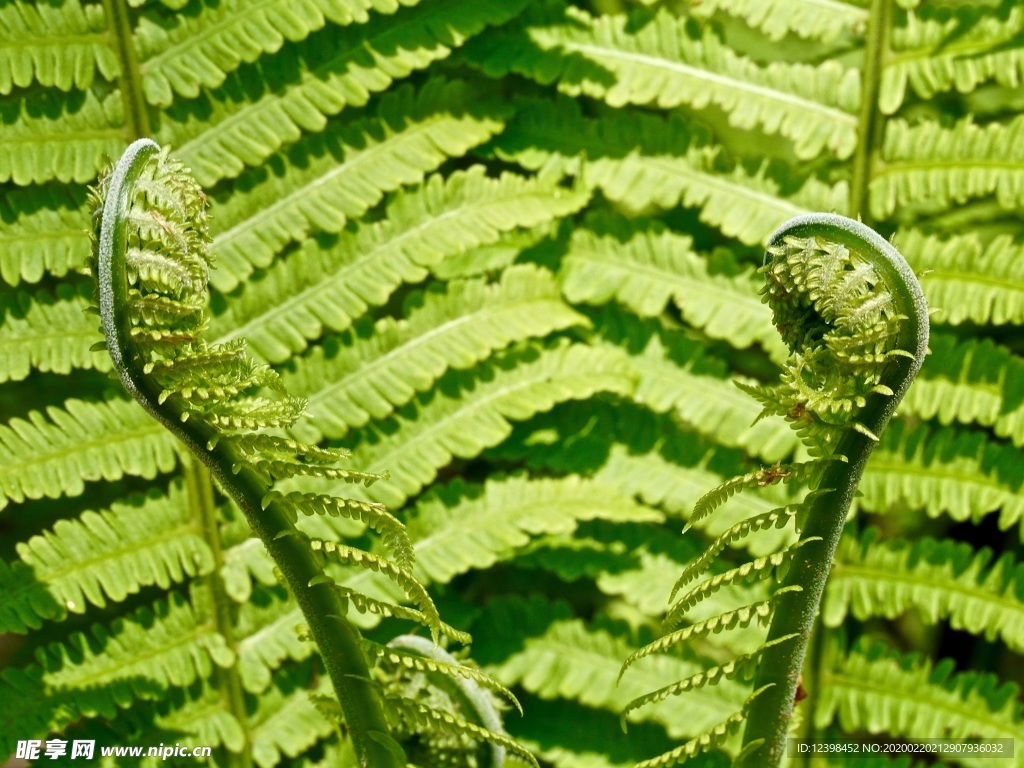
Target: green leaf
[329,283]
[361,376]
[55,454]
[102,557]
[943,580]
[666,61]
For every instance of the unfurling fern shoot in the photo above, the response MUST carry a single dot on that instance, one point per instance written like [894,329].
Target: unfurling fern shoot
[152,265]
[854,318]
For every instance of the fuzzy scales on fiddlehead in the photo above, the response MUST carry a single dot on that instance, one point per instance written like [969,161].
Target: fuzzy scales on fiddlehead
[152,265]
[855,321]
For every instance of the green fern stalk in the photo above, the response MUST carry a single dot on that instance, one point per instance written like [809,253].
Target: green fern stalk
[769,715]
[322,606]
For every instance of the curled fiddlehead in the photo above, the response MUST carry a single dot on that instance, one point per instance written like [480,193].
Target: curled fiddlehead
[152,264]
[855,320]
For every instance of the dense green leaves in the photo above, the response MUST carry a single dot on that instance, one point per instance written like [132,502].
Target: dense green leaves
[507,252]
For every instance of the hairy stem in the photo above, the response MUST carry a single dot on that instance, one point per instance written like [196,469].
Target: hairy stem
[769,716]
[323,610]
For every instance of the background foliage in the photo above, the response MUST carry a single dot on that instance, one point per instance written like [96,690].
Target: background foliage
[507,251]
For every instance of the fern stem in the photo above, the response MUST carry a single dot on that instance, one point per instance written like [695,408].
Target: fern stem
[200,495]
[338,640]
[769,716]
[870,122]
[135,108]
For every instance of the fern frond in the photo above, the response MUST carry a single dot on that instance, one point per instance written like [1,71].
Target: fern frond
[876,690]
[777,518]
[196,712]
[147,187]
[55,454]
[934,53]
[956,473]
[368,605]
[461,527]
[394,656]
[361,376]
[643,265]
[424,719]
[334,71]
[642,160]
[970,280]
[346,555]
[419,442]
[808,19]
[66,137]
[57,46]
[198,50]
[266,635]
[375,516]
[739,667]
[137,657]
[286,723]
[707,741]
[759,612]
[666,482]
[970,382]
[943,580]
[759,478]
[42,232]
[101,557]
[938,166]
[330,283]
[45,332]
[345,171]
[767,567]
[677,376]
[528,641]
[666,61]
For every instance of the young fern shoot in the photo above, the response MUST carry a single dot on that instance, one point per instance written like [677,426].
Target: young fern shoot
[152,265]
[855,320]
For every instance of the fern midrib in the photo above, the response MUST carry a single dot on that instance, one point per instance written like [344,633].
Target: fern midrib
[965,49]
[73,135]
[986,725]
[886,167]
[981,278]
[62,41]
[841,570]
[715,78]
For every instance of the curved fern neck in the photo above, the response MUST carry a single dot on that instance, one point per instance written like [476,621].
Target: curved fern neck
[323,609]
[769,715]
